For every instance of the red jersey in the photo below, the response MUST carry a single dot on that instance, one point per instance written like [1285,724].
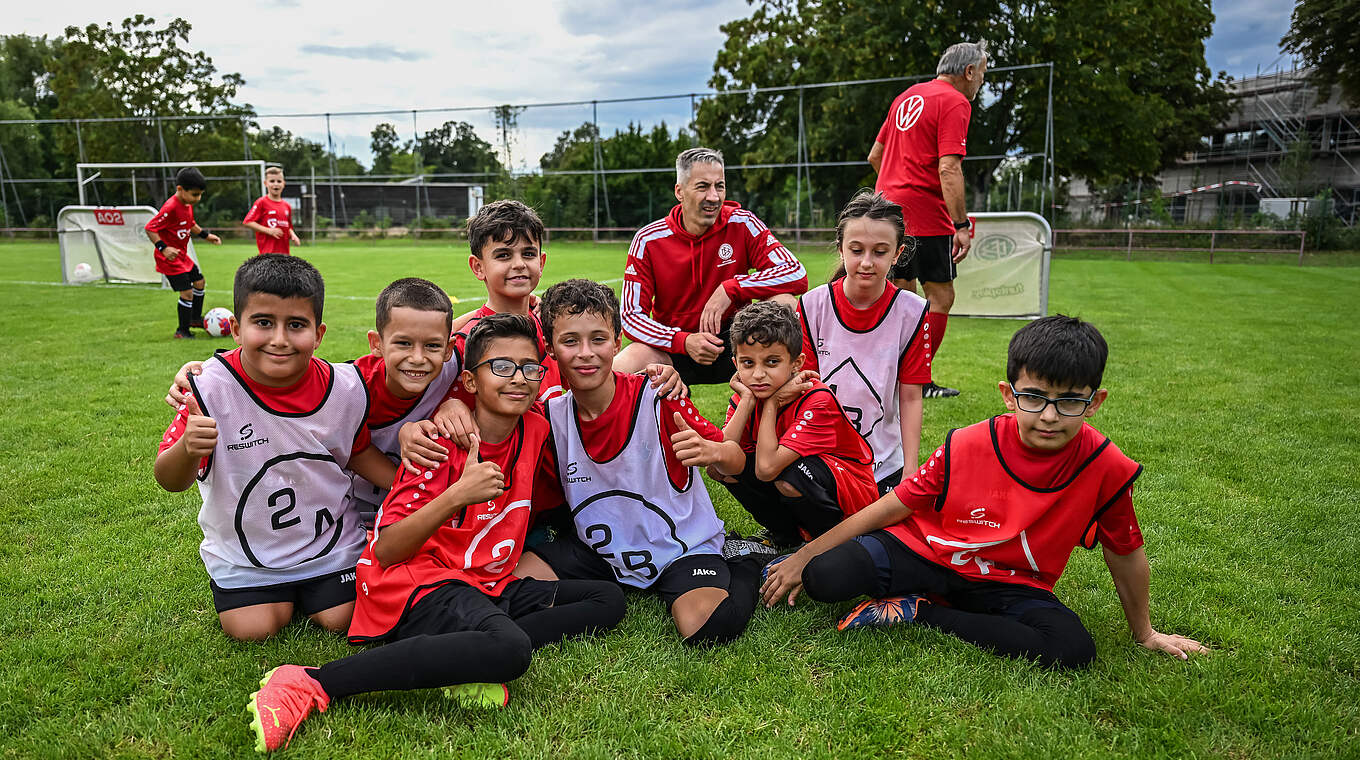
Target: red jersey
[173,225]
[276,215]
[927,121]
[479,546]
[302,397]
[551,387]
[671,274]
[913,367]
[605,436]
[990,508]
[815,425]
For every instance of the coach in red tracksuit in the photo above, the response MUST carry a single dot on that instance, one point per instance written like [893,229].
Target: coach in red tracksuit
[688,273]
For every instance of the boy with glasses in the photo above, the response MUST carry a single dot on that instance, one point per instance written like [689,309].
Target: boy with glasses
[990,521]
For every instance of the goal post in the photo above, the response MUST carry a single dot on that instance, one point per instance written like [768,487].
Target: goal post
[83,169]
[1006,272]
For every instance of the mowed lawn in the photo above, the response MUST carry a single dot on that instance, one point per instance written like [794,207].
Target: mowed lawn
[1237,386]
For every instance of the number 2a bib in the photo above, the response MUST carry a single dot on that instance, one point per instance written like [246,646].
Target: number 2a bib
[626,508]
[860,367]
[276,505]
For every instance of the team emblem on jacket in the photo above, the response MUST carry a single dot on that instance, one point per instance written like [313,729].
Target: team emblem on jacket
[725,252]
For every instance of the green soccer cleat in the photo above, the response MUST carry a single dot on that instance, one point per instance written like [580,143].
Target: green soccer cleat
[479,696]
[285,699]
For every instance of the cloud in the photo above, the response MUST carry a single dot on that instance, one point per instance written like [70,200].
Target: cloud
[371,52]
[1246,36]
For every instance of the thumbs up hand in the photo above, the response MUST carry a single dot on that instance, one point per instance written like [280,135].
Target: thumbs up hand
[480,481]
[692,449]
[200,431]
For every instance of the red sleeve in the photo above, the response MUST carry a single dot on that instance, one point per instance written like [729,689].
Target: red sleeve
[777,270]
[920,490]
[361,441]
[1118,527]
[414,490]
[914,368]
[691,416]
[161,220]
[814,431]
[952,137]
[255,213]
[809,350]
[547,483]
[636,304]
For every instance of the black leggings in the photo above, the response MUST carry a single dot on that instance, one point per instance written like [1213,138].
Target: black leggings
[480,643]
[816,511]
[1003,618]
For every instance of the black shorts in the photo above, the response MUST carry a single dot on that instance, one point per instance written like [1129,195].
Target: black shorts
[570,558]
[456,606]
[308,597]
[931,259]
[889,482]
[720,371]
[184,280]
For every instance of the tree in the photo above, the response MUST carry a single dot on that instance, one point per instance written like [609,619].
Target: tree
[1326,34]
[455,148]
[384,146]
[1131,89]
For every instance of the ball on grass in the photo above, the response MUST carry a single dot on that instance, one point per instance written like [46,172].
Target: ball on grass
[217,322]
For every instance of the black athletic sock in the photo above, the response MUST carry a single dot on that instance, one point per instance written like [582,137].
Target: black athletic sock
[198,307]
[186,312]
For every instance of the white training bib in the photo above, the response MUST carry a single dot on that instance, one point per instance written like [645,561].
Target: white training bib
[276,504]
[626,509]
[860,367]
[370,496]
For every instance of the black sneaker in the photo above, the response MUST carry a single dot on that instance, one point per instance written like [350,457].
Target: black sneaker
[184,335]
[736,547]
[931,390]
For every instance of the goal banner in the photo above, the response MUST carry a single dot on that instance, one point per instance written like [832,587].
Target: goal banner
[1006,271]
[111,241]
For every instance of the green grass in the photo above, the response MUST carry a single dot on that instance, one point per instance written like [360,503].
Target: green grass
[1235,385]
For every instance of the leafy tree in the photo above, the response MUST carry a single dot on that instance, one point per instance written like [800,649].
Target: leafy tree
[1326,34]
[455,148]
[385,145]
[1131,89]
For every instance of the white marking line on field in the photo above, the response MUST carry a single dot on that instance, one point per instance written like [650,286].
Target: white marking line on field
[469,299]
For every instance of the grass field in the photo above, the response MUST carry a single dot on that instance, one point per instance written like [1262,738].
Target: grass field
[1236,385]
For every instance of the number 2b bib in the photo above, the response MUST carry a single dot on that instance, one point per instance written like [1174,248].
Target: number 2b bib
[276,499]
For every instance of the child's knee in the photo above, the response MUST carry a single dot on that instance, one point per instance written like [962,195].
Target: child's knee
[692,611]
[335,619]
[727,622]
[256,622]
[508,646]
[840,573]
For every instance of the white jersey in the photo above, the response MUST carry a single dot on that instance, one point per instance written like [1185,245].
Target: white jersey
[627,509]
[370,496]
[860,367]
[276,505]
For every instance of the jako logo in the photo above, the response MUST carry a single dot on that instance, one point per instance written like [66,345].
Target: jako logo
[909,111]
[704,571]
[725,252]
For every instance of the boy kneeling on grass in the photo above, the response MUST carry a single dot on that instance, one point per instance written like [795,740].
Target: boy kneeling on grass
[435,580]
[988,524]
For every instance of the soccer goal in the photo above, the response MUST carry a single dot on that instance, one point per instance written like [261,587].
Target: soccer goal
[87,173]
[1006,272]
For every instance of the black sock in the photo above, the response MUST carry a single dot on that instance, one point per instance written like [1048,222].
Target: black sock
[198,307]
[186,313]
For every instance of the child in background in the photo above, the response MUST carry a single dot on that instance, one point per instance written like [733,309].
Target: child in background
[271,218]
[435,580]
[806,467]
[989,524]
[870,341]
[280,530]
[169,231]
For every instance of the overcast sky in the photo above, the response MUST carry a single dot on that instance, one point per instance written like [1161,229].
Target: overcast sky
[310,56]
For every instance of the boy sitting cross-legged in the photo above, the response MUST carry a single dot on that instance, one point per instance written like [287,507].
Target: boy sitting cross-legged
[805,465]
[989,523]
[280,531]
[435,581]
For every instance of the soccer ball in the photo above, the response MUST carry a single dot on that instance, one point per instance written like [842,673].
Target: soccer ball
[217,322]
[82,272]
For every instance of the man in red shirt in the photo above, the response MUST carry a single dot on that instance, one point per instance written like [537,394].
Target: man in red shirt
[688,274]
[919,159]
[169,231]
[271,218]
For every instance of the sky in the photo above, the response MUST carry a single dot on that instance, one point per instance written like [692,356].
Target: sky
[306,56]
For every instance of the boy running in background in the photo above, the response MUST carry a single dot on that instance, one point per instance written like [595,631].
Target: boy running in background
[271,218]
[805,465]
[989,524]
[280,531]
[169,231]
[435,580]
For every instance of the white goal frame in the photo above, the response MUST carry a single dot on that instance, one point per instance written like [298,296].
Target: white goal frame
[82,180]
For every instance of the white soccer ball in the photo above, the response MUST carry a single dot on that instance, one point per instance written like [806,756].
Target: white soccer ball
[83,272]
[217,322]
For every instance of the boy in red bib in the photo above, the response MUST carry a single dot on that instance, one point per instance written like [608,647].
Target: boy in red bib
[805,465]
[435,582]
[989,523]
[271,218]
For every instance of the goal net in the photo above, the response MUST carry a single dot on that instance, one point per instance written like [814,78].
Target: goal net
[1006,271]
[108,244]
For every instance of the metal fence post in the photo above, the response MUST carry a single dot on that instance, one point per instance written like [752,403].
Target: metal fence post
[1213,238]
[1303,235]
[1128,250]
